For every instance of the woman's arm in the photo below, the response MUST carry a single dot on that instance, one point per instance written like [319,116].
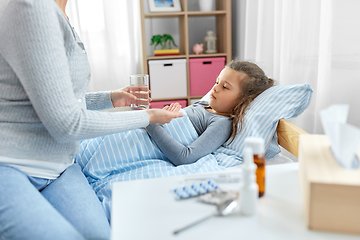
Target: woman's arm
[96,101]
[117,98]
[34,40]
[212,138]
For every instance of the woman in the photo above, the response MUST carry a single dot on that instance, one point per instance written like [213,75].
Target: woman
[44,113]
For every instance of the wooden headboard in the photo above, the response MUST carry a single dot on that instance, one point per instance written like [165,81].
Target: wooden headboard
[288,136]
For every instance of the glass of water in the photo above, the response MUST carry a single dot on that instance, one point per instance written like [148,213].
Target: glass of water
[139,86]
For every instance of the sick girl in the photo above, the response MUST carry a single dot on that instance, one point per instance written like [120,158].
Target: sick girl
[218,120]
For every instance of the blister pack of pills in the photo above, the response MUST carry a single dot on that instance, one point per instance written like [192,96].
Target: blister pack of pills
[218,196]
[195,189]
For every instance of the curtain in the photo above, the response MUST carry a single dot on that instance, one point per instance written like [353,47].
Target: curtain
[305,41]
[110,30]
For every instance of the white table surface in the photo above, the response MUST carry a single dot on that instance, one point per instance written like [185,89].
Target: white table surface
[146,209]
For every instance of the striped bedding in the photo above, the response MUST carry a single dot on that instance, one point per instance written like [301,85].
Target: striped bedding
[133,155]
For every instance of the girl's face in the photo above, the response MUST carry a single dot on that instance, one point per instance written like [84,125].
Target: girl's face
[226,91]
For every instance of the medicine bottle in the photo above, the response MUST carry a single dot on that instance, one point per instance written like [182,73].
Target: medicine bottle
[257,146]
[248,188]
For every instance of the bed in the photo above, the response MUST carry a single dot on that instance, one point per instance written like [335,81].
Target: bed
[133,155]
[288,136]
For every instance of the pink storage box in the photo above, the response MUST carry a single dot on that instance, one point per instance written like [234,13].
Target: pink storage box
[203,74]
[161,104]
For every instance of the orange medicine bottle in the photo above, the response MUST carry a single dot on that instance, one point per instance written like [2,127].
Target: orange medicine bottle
[257,146]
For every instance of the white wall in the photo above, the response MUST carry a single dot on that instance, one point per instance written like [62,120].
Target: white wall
[304,41]
[238,27]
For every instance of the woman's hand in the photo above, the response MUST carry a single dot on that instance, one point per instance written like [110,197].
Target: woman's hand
[174,107]
[123,98]
[162,116]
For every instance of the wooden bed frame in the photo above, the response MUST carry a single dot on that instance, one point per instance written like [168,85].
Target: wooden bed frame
[288,136]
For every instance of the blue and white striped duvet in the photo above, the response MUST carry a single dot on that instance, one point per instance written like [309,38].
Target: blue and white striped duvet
[133,155]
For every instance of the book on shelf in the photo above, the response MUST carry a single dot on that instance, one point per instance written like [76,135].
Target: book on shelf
[169,54]
[166,52]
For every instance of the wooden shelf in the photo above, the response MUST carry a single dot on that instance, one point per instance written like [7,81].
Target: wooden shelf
[169,99]
[177,98]
[188,55]
[201,14]
[222,16]
[190,14]
[163,14]
[165,57]
[207,55]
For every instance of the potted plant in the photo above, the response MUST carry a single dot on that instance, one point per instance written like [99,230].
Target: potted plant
[162,40]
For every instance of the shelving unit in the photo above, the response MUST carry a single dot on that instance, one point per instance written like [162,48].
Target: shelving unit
[222,16]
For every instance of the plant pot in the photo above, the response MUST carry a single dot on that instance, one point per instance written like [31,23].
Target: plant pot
[206,5]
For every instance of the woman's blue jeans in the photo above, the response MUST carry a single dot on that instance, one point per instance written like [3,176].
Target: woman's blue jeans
[36,208]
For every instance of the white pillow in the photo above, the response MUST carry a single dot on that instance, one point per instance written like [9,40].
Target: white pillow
[263,115]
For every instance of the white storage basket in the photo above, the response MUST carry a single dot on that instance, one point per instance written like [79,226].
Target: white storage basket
[168,78]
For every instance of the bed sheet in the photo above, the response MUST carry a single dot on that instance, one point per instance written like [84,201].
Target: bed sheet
[133,155]
[283,157]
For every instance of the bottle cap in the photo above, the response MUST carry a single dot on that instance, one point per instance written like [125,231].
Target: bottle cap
[256,143]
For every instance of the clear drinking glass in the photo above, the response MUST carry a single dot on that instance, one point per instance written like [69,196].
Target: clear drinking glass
[139,86]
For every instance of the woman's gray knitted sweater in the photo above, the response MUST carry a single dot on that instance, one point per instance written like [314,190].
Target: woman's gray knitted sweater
[44,73]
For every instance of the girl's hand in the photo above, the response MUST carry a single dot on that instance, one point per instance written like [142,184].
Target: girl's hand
[162,116]
[122,98]
[174,107]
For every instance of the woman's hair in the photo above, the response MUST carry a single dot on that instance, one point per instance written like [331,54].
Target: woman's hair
[255,83]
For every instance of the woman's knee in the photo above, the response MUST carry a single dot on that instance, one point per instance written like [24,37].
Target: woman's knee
[25,213]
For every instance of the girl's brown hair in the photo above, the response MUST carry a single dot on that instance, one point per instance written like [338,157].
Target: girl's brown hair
[255,83]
